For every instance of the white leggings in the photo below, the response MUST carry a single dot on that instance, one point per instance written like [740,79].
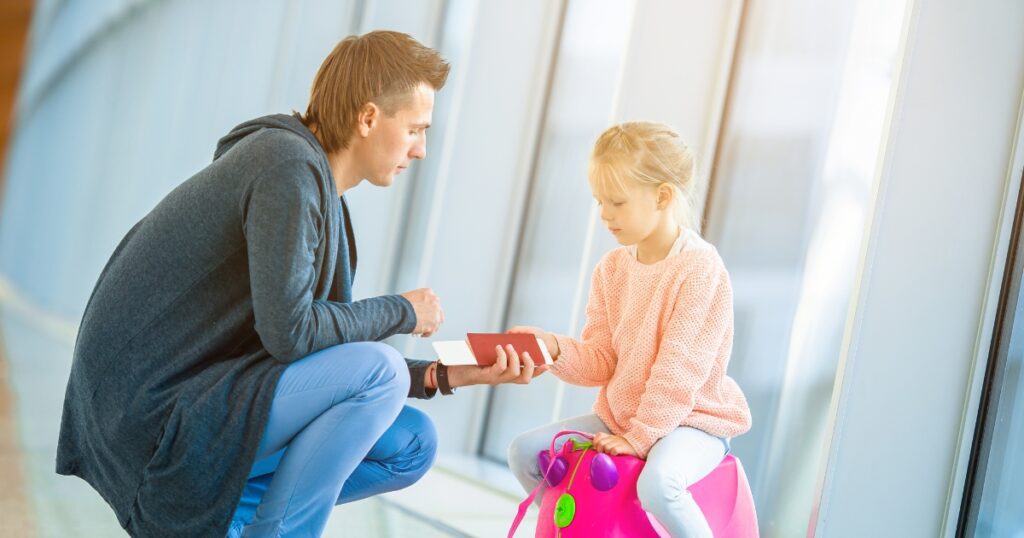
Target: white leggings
[678,460]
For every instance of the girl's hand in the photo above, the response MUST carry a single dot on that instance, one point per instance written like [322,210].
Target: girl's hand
[616,445]
[548,338]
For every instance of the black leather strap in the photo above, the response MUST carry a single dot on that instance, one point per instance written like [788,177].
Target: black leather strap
[442,379]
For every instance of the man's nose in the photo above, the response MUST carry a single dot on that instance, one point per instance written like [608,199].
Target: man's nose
[418,151]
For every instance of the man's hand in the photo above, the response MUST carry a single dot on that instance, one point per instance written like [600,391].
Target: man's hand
[427,306]
[548,338]
[615,445]
[509,368]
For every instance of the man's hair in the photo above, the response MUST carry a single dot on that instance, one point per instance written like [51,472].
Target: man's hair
[381,67]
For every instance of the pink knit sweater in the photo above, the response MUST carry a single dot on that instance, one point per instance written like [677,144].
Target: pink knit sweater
[657,341]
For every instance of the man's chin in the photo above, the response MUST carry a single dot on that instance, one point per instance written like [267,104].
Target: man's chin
[385,181]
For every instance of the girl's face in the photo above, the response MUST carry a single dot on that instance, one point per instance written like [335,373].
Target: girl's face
[631,215]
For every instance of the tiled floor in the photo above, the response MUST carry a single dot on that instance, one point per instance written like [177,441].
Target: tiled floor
[477,500]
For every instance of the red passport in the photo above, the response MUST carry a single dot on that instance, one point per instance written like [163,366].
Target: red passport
[479,348]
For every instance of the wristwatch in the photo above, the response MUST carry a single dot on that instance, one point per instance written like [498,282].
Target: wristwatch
[442,379]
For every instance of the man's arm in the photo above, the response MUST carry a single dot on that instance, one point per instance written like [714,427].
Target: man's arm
[282,226]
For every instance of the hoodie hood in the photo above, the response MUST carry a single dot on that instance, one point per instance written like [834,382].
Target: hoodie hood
[290,123]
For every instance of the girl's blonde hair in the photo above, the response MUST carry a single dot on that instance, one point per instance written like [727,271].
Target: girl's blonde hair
[645,153]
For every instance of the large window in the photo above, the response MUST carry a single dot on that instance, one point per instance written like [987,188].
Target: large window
[790,195]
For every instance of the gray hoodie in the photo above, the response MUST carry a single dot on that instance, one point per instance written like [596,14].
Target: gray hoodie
[242,269]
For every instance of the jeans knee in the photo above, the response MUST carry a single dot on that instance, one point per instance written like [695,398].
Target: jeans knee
[426,434]
[519,458]
[393,370]
[420,453]
[654,489]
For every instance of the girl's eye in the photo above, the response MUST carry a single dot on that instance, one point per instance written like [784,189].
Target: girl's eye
[618,204]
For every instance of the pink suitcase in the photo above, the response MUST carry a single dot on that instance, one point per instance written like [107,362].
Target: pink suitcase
[591,495]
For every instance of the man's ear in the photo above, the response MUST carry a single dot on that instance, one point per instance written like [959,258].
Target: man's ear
[368,117]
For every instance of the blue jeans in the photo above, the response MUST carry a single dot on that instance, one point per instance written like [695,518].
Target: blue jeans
[338,431]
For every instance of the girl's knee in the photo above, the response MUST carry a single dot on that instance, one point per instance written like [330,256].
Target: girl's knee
[516,451]
[522,453]
[655,488]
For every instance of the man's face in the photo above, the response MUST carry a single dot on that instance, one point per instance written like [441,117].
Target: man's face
[392,142]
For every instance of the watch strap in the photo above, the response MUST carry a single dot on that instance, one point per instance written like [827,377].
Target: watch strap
[442,379]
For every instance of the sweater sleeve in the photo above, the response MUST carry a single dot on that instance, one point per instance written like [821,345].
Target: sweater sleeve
[590,361]
[700,319]
[282,223]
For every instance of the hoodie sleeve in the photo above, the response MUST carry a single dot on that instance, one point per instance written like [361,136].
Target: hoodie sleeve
[282,223]
[417,374]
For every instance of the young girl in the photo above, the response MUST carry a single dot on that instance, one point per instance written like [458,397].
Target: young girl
[658,334]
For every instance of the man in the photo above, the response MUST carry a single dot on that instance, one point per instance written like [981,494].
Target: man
[223,379]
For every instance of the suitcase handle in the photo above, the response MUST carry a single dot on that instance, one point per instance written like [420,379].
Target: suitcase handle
[525,505]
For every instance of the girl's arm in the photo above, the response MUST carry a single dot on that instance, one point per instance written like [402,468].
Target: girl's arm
[701,318]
